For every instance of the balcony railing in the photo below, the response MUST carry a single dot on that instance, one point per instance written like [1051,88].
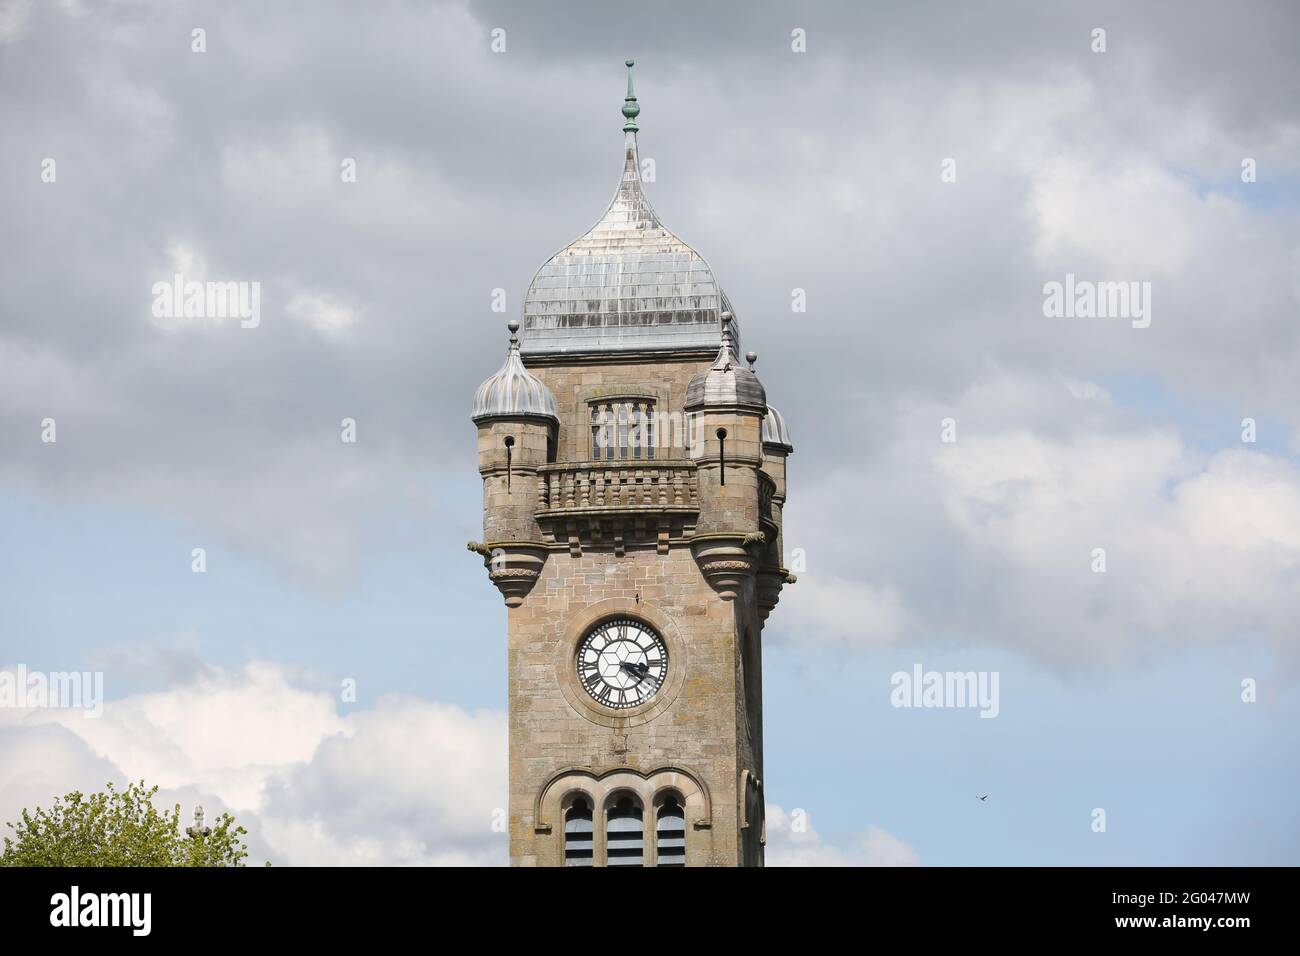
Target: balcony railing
[663,485]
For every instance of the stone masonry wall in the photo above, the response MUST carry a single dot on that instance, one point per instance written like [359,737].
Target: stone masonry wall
[709,729]
[698,731]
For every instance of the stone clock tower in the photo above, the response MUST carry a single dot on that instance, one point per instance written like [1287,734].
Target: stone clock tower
[633,483]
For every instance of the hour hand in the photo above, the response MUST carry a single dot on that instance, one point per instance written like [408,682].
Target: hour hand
[637,670]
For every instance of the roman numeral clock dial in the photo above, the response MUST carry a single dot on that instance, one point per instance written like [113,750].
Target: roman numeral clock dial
[622,663]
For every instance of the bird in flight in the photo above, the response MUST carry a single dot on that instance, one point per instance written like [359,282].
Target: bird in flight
[983,798]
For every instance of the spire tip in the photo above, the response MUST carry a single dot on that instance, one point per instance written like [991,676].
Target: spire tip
[630,106]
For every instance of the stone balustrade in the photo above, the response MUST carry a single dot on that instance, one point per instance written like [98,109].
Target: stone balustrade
[617,486]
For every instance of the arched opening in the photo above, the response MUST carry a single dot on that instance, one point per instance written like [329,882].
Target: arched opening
[578,836]
[643,815]
[625,833]
[670,832]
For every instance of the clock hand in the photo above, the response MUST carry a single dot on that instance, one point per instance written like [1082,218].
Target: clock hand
[641,671]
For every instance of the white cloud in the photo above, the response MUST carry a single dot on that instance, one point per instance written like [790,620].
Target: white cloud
[792,841]
[323,312]
[836,608]
[44,760]
[403,782]
[991,539]
[414,783]
[1135,220]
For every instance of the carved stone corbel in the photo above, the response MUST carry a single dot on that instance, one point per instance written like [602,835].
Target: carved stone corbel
[513,567]
[726,560]
[769,583]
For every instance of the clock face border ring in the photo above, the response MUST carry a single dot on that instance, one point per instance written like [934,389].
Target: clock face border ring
[615,635]
[577,628]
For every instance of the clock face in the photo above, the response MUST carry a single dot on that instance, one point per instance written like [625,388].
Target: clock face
[622,663]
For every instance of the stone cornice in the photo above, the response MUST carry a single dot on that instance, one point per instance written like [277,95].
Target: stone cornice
[628,357]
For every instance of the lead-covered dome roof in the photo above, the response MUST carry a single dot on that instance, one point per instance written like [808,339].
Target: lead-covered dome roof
[628,283]
[513,392]
[727,384]
[775,431]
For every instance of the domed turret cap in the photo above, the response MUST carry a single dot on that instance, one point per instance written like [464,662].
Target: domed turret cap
[514,392]
[727,384]
[775,432]
[629,284]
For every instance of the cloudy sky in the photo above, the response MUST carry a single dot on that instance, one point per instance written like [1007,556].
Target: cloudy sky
[819,171]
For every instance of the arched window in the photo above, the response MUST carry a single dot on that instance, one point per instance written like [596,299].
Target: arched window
[670,833]
[578,834]
[624,834]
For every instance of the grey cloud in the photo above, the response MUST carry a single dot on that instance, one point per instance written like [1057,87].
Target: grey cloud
[817,171]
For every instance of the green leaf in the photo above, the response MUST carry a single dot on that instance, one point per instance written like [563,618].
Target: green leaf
[118,828]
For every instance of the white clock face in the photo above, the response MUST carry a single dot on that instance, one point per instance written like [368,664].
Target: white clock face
[622,663]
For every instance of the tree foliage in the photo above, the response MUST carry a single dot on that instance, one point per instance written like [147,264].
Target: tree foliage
[118,828]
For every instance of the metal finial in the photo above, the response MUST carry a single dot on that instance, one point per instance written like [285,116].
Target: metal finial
[751,358]
[724,353]
[630,107]
[513,326]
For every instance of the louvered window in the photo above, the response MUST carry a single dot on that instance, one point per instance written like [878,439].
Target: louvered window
[624,834]
[578,834]
[670,834]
